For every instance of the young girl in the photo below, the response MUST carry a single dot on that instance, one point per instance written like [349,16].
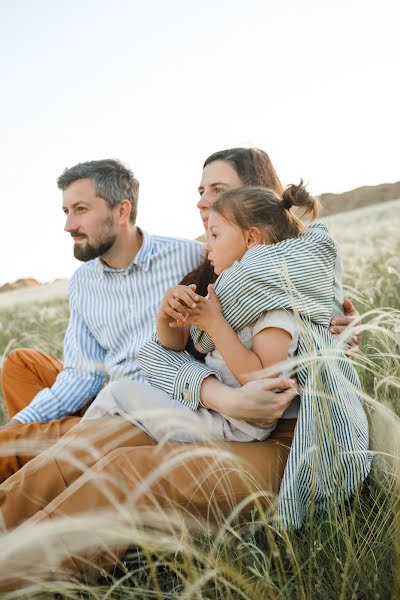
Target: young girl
[240,219]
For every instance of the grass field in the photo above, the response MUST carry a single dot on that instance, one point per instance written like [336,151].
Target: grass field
[354,552]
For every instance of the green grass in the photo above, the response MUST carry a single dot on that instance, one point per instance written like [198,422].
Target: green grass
[353,551]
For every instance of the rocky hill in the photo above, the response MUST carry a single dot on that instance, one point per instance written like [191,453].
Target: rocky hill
[18,284]
[362,196]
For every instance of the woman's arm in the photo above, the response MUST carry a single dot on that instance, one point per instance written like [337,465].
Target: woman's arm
[172,312]
[192,382]
[256,402]
[350,317]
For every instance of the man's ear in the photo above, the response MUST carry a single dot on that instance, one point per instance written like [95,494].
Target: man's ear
[124,210]
[254,237]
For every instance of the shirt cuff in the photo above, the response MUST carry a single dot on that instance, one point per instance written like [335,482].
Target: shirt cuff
[28,415]
[188,382]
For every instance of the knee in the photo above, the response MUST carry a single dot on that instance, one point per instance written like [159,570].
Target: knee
[15,358]
[12,361]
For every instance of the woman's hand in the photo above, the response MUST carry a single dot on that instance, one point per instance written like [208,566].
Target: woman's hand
[339,324]
[207,315]
[258,401]
[174,306]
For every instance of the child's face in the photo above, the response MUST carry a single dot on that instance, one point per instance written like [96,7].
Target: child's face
[226,242]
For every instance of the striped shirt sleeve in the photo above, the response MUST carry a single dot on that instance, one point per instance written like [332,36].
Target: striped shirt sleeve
[178,374]
[81,378]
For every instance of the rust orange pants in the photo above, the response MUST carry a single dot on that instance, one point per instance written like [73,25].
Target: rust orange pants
[112,471]
[25,373]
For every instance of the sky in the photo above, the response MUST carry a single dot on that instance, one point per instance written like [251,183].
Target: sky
[161,84]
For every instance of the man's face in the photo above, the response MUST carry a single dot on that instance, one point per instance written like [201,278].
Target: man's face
[90,220]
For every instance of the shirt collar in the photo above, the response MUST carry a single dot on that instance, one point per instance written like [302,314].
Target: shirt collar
[141,260]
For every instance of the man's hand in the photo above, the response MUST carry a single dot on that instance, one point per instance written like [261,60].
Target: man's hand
[339,324]
[10,423]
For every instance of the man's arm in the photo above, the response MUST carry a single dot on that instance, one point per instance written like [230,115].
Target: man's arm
[79,381]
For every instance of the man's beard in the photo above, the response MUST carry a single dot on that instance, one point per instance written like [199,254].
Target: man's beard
[89,251]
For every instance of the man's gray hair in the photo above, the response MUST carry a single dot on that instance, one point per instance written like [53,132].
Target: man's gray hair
[113,181]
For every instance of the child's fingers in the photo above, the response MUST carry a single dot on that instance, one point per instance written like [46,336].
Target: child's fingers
[211,293]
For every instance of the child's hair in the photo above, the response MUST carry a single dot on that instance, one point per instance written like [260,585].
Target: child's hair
[261,207]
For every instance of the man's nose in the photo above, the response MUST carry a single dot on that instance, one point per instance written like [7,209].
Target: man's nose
[70,224]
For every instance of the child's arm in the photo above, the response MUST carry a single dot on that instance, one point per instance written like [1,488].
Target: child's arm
[172,331]
[270,345]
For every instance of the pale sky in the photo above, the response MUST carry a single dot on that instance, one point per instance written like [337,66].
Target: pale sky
[163,84]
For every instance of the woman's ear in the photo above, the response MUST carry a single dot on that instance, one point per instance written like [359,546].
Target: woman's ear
[254,237]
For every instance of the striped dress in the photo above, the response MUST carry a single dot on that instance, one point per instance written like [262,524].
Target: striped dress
[329,456]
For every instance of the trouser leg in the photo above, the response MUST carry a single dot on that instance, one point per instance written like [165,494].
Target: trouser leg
[19,444]
[43,478]
[128,483]
[25,373]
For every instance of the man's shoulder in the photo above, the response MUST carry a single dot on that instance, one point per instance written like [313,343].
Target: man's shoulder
[167,245]
[87,270]
[161,241]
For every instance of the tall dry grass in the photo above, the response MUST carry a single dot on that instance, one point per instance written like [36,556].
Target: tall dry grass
[351,551]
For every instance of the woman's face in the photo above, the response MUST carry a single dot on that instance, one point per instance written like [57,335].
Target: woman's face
[218,177]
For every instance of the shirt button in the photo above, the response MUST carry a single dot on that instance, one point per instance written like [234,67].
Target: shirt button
[187,396]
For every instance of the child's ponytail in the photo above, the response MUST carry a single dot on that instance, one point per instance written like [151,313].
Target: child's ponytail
[297,195]
[272,213]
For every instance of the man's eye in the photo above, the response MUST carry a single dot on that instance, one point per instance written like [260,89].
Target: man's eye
[219,190]
[81,209]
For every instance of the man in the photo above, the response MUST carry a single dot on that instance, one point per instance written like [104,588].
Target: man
[114,298]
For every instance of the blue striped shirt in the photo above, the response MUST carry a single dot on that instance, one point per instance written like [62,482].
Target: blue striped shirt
[112,314]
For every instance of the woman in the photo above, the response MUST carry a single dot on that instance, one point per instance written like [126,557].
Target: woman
[53,484]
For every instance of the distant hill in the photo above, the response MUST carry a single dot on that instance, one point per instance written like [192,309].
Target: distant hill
[20,283]
[58,290]
[358,198]
[362,196]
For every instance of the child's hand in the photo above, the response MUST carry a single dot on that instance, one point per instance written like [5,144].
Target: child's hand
[177,301]
[208,313]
